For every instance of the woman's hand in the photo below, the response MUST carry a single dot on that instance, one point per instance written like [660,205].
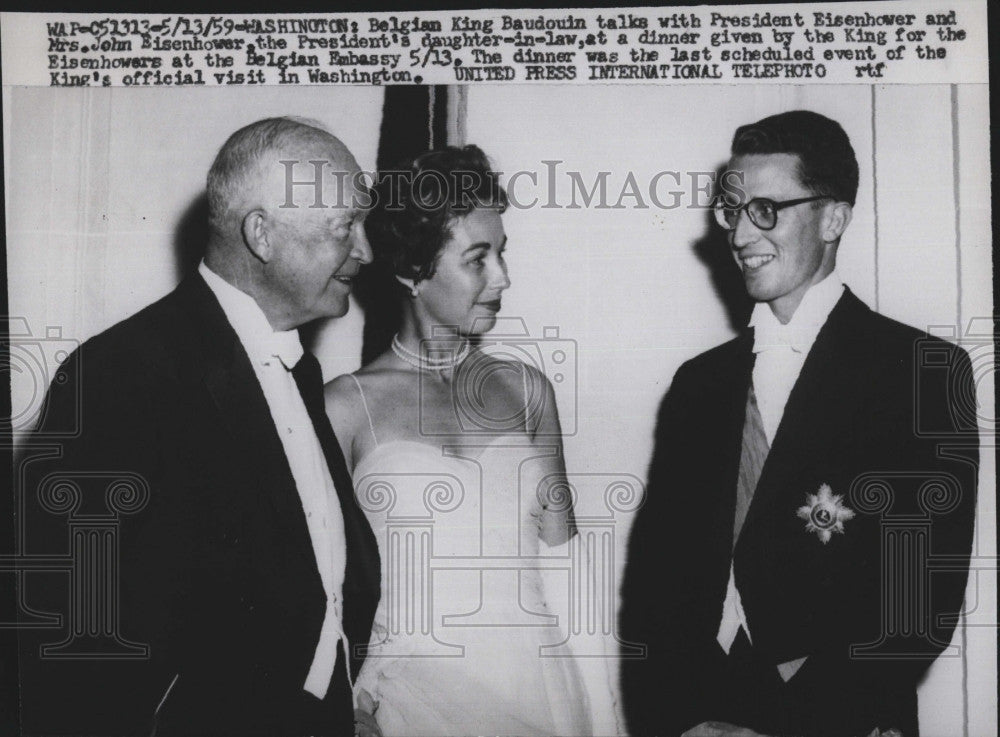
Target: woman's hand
[364,716]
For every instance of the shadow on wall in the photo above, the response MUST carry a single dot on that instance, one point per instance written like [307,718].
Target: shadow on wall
[191,236]
[379,295]
[714,252]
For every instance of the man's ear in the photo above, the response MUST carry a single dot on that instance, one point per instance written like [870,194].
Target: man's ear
[256,236]
[838,217]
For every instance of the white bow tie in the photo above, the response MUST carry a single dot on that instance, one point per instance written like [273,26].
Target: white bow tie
[286,347]
[775,336]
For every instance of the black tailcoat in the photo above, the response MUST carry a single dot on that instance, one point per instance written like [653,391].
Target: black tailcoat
[855,420]
[216,571]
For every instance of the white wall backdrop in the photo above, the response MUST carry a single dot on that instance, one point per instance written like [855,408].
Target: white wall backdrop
[100,184]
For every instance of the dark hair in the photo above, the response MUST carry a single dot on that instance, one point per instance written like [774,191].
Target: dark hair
[417,202]
[827,164]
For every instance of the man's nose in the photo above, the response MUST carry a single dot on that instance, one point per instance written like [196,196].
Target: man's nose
[360,247]
[745,231]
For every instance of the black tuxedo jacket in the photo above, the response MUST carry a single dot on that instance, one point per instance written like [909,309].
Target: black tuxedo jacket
[856,420]
[216,571]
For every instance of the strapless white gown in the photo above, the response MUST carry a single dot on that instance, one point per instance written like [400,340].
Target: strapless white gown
[463,641]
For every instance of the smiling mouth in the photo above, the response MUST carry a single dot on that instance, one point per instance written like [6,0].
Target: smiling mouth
[494,305]
[347,279]
[752,263]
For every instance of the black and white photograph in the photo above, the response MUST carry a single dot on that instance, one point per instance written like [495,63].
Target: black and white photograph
[579,373]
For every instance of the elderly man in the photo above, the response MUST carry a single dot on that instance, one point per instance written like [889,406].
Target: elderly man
[245,571]
[778,574]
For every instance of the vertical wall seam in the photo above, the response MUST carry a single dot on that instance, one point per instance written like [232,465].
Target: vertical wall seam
[83,241]
[431,99]
[957,185]
[956,190]
[457,114]
[462,114]
[875,196]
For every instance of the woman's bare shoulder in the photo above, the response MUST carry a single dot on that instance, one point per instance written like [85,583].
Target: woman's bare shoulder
[341,388]
[516,374]
[372,382]
[344,403]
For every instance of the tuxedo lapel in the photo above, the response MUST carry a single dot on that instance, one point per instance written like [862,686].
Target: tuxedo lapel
[361,574]
[731,392]
[820,405]
[774,546]
[230,380]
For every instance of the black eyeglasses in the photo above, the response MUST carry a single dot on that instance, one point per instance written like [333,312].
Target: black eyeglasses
[762,211]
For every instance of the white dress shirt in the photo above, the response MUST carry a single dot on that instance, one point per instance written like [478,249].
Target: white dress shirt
[782,349]
[781,352]
[273,354]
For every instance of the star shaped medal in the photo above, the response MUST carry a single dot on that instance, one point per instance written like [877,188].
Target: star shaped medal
[825,513]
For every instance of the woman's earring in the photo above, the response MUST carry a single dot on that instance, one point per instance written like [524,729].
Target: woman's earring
[410,284]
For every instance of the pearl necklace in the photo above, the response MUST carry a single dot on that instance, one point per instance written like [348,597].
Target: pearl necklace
[422,362]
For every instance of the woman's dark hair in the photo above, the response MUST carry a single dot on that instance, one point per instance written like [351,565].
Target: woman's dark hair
[414,206]
[416,203]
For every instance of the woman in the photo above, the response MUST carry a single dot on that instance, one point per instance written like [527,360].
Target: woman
[457,460]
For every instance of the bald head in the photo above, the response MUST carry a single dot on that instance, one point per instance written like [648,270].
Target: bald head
[247,172]
[286,219]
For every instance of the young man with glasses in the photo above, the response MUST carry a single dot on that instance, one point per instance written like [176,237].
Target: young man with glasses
[765,572]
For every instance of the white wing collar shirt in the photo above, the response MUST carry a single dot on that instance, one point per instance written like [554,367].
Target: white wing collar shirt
[273,355]
[781,352]
[782,349]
